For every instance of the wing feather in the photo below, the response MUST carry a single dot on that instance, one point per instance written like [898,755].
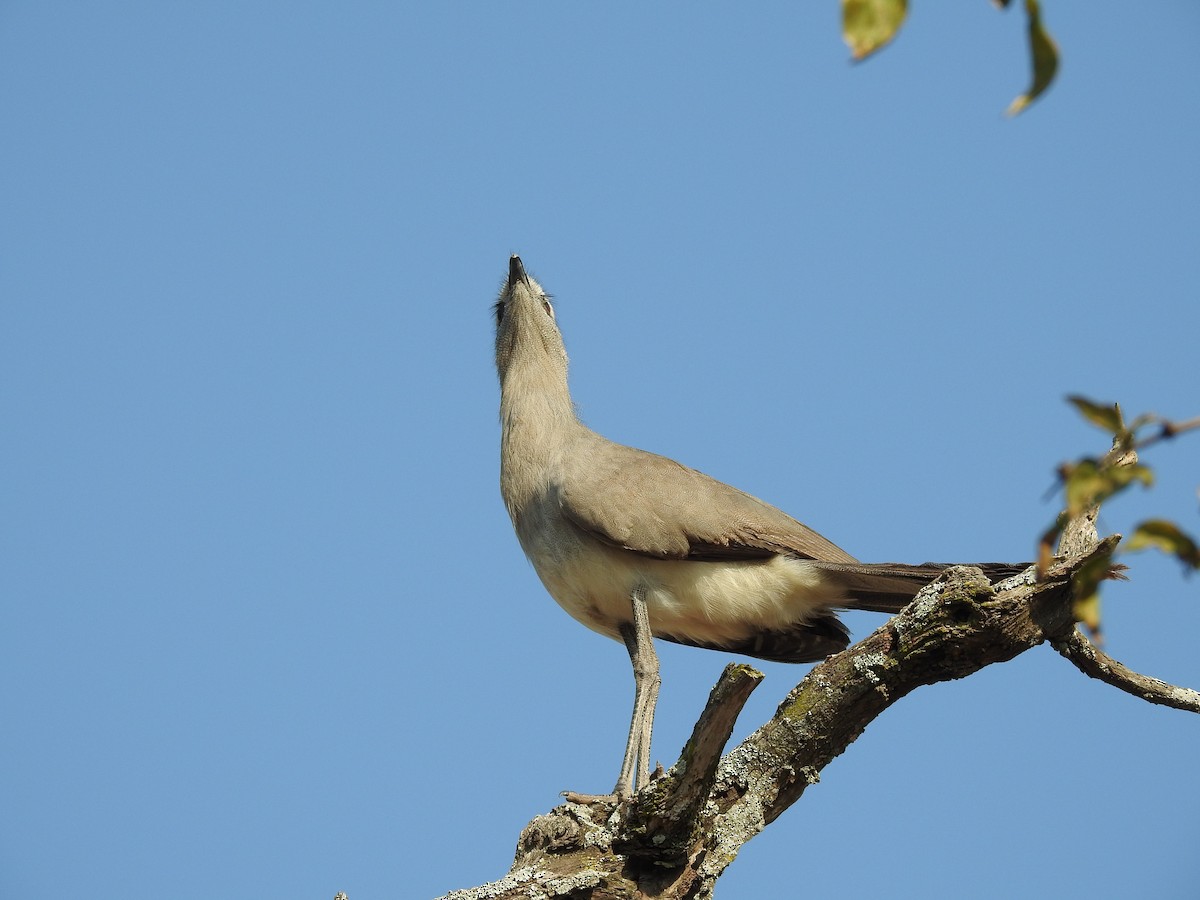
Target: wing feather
[652,505]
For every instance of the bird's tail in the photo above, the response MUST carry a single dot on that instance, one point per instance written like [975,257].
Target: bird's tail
[889,587]
[878,587]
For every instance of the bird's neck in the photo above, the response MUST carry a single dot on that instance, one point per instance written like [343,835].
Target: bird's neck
[538,425]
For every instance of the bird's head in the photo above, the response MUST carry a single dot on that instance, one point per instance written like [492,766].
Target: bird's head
[526,332]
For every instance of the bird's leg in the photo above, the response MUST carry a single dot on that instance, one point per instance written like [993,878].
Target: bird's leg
[640,644]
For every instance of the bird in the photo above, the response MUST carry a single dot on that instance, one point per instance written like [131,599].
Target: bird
[637,546]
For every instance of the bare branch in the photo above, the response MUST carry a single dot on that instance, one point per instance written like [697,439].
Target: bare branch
[1095,663]
[665,817]
[959,624]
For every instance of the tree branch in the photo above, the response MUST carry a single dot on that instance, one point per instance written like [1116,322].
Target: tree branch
[1167,430]
[666,816]
[1095,663]
[956,626]
[668,842]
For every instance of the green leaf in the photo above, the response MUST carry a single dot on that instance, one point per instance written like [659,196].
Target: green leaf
[1087,611]
[1087,483]
[1168,537]
[869,24]
[1120,477]
[1106,416]
[1142,421]
[1085,589]
[1083,484]
[1044,54]
[1045,550]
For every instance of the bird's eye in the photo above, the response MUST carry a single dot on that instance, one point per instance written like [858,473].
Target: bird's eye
[547,307]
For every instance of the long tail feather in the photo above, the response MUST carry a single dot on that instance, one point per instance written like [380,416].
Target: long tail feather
[889,587]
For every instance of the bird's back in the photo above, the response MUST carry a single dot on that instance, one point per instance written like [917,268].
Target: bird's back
[652,505]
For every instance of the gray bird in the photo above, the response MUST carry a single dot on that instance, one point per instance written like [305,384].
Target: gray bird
[635,545]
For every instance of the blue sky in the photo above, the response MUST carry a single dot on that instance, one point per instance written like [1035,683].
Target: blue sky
[266,630]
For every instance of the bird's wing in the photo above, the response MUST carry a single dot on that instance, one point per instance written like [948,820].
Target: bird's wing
[652,505]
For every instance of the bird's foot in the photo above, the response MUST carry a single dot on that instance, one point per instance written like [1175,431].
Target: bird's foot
[593,799]
[620,793]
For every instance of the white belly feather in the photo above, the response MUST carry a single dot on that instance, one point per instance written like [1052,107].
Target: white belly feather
[710,602]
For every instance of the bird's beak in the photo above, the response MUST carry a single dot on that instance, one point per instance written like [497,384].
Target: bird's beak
[516,272]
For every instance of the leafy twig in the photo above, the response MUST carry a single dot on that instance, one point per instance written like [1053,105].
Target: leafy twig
[1090,481]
